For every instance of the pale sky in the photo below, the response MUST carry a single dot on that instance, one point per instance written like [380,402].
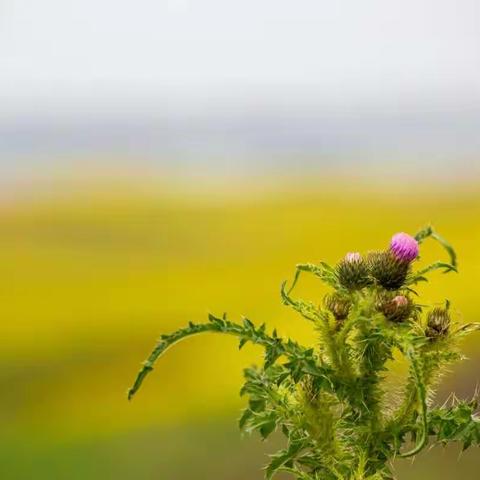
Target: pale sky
[69,54]
[225,84]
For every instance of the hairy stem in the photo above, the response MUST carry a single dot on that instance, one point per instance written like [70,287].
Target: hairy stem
[422,397]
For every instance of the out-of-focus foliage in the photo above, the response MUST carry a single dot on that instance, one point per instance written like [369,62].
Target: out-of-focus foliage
[89,279]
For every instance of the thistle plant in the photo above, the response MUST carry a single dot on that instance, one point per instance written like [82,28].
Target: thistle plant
[341,416]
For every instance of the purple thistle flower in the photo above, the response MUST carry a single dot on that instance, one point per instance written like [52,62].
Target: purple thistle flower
[404,247]
[351,257]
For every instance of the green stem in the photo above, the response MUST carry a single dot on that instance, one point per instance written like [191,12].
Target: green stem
[422,396]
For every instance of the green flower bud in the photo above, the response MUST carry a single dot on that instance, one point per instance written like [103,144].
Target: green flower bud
[388,270]
[395,308]
[338,305]
[438,323]
[352,272]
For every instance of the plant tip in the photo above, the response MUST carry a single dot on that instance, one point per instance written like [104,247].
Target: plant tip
[353,257]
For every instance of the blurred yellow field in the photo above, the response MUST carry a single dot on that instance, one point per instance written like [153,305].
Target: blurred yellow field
[90,281]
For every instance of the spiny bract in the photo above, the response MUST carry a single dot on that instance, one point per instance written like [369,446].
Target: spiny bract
[329,399]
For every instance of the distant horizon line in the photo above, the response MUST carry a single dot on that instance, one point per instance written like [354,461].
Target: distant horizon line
[244,133]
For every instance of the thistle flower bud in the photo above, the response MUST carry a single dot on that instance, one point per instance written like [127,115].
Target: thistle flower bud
[395,308]
[400,301]
[389,271]
[338,305]
[438,323]
[404,247]
[352,272]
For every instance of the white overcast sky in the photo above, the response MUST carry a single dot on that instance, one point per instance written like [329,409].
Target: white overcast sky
[77,52]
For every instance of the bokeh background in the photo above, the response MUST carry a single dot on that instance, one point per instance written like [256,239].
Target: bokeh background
[163,159]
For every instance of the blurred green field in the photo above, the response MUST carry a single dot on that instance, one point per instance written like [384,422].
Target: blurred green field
[91,278]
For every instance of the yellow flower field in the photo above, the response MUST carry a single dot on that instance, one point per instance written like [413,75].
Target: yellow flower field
[90,280]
